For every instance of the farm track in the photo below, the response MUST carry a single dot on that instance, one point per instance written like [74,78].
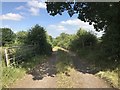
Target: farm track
[44,76]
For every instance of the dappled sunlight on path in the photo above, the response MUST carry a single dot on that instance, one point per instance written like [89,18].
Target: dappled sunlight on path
[45,75]
[41,76]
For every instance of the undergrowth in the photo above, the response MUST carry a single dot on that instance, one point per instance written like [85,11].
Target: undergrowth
[12,73]
[106,70]
[64,68]
[110,76]
[64,61]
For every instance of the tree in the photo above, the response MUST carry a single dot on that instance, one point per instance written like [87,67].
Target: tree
[111,44]
[83,39]
[21,37]
[63,40]
[103,16]
[49,39]
[86,38]
[8,36]
[37,37]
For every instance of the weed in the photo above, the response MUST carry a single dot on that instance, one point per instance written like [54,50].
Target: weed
[11,74]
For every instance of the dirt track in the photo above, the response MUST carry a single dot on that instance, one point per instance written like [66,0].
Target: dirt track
[44,76]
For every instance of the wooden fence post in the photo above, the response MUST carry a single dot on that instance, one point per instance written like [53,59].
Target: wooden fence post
[6,58]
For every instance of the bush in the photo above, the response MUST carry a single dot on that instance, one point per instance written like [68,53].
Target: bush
[8,36]
[63,40]
[37,37]
[83,39]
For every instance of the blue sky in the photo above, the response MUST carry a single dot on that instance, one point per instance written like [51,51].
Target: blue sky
[23,15]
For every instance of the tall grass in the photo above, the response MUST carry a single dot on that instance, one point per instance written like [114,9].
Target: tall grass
[64,61]
[107,70]
[110,76]
[12,73]
[64,67]
[0,67]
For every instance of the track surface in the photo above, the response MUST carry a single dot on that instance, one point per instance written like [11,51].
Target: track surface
[44,76]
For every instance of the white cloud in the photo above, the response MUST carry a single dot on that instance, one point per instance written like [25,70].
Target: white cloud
[14,0]
[58,27]
[35,6]
[11,16]
[42,5]
[77,23]
[5,26]
[34,11]
[8,26]
[71,26]
[20,8]
[71,22]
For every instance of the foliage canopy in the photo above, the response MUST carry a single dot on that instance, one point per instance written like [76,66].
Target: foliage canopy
[103,16]
[100,14]
[37,37]
[8,36]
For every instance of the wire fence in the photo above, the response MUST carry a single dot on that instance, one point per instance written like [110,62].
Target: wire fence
[17,54]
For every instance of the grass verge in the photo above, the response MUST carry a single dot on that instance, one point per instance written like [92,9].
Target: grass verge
[110,76]
[107,70]
[11,74]
[64,69]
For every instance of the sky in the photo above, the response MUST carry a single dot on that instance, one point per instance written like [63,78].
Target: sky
[22,16]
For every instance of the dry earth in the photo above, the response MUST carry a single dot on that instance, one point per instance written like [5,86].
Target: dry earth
[44,76]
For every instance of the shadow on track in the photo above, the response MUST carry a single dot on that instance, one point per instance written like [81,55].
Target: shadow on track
[45,69]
